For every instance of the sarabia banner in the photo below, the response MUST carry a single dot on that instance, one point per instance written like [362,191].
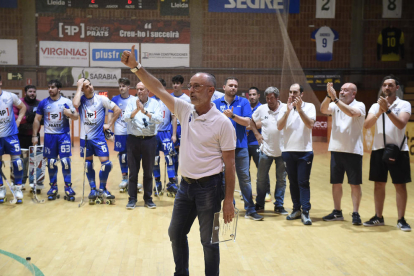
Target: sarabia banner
[63,53]
[107,77]
[113,30]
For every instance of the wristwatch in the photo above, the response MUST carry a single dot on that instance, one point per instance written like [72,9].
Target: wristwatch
[233,116]
[388,111]
[146,112]
[133,70]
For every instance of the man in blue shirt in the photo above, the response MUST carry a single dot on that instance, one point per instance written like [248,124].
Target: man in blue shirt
[166,145]
[238,110]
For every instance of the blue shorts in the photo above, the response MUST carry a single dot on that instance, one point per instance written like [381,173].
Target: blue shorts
[57,144]
[164,142]
[177,143]
[97,147]
[10,145]
[120,143]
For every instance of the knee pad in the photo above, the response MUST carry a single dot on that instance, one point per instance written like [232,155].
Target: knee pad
[106,166]
[65,163]
[122,158]
[169,160]
[157,160]
[52,163]
[17,164]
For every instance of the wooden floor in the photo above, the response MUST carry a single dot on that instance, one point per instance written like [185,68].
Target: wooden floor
[62,239]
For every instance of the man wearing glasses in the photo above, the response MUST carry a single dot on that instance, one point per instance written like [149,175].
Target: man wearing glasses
[297,119]
[238,110]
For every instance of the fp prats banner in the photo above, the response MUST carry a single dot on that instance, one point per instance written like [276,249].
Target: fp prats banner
[103,30]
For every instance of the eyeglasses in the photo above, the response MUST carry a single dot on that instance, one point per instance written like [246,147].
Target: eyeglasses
[196,87]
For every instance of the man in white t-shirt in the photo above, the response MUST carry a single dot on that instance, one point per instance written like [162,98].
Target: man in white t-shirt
[271,143]
[210,141]
[396,113]
[346,146]
[296,119]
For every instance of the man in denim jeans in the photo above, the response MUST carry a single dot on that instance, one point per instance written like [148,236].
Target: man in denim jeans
[271,143]
[238,110]
[297,119]
[210,141]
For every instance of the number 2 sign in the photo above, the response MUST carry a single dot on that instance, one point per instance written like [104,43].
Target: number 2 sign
[325,8]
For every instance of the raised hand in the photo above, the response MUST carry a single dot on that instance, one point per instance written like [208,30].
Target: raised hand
[229,112]
[128,58]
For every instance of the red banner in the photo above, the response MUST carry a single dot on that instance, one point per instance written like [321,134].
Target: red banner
[104,30]
[320,128]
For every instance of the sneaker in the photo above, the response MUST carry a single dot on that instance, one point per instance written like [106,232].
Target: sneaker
[305,218]
[281,210]
[334,216]
[150,205]
[403,225]
[254,216]
[356,218]
[294,215]
[259,208]
[131,204]
[268,197]
[375,221]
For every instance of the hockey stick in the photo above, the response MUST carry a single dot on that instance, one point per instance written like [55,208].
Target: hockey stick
[35,198]
[84,172]
[14,201]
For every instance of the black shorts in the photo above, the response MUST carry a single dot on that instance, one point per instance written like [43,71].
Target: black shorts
[400,171]
[350,163]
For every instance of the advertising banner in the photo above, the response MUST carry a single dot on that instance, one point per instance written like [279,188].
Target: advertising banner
[165,55]
[107,77]
[320,128]
[8,52]
[254,6]
[174,7]
[63,53]
[113,30]
[109,54]
[318,80]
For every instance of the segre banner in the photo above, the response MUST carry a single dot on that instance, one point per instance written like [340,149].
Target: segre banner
[8,52]
[104,30]
[165,55]
[106,77]
[109,54]
[63,53]
[254,6]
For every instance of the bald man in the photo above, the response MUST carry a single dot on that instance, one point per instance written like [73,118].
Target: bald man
[345,145]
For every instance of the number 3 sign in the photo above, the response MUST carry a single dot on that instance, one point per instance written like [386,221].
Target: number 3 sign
[325,8]
[391,8]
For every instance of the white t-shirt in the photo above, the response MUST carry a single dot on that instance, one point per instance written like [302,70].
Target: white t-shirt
[393,135]
[346,134]
[272,144]
[297,137]
[204,137]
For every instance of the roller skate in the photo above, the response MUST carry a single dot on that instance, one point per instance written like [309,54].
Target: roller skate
[69,192]
[3,197]
[123,186]
[39,188]
[52,194]
[172,189]
[93,196]
[18,193]
[106,197]
[139,187]
[158,189]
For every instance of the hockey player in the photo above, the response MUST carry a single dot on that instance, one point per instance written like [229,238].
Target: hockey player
[177,82]
[92,113]
[166,145]
[120,130]
[56,111]
[9,142]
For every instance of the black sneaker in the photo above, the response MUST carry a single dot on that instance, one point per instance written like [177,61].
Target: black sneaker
[375,221]
[334,216]
[403,225]
[356,219]
[294,215]
[305,218]
[131,204]
[150,205]
[281,210]
[259,208]
[254,216]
